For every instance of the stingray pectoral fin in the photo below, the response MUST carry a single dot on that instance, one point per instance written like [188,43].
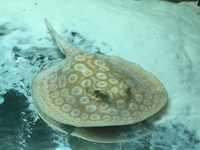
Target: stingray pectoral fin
[137,70]
[120,62]
[56,125]
[98,134]
[114,134]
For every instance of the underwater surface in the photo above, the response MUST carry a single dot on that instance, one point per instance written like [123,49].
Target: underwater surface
[162,37]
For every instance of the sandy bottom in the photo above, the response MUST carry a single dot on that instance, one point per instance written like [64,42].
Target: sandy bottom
[160,36]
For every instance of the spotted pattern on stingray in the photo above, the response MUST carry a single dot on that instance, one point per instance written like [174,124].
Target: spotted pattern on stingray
[95,90]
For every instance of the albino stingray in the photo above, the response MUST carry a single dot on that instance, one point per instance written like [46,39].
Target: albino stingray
[93,90]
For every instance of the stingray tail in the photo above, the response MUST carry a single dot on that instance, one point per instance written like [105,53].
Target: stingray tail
[65,47]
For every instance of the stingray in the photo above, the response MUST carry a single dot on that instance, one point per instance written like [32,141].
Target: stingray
[90,95]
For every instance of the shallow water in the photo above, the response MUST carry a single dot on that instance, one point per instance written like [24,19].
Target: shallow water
[160,36]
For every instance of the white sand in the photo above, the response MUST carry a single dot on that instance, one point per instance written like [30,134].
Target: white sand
[162,37]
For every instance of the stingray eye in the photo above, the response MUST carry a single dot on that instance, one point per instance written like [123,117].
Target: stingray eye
[97,94]
[130,92]
[101,94]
